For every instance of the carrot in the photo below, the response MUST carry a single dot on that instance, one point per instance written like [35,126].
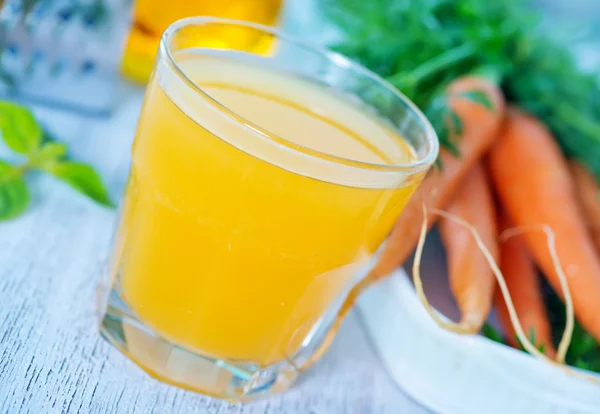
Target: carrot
[523,284]
[535,188]
[588,192]
[480,128]
[471,279]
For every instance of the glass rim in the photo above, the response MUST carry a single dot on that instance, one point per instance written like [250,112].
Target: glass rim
[337,59]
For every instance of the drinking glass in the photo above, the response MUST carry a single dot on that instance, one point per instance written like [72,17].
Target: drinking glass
[261,187]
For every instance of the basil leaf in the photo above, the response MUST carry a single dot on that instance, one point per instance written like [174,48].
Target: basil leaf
[20,130]
[82,178]
[14,196]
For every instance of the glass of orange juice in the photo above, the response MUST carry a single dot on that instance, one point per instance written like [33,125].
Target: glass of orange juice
[152,17]
[261,186]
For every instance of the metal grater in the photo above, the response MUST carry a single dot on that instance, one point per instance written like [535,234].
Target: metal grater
[63,53]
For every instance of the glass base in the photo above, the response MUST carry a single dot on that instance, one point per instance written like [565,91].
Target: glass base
[231,380]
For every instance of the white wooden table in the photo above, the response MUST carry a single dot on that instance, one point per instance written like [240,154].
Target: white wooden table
[52,359]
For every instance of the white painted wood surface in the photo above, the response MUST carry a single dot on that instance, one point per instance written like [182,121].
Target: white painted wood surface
[52,359]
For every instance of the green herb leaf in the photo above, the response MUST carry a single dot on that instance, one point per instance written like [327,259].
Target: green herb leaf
[82,178]
[14,196]
[19,128]
[24,135]
[478,97]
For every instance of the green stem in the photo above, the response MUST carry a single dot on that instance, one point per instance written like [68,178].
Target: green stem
[16,172]
[576,120]
[490,73]
[434,65]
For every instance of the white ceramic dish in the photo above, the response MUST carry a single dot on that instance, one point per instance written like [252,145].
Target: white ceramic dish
[456,374]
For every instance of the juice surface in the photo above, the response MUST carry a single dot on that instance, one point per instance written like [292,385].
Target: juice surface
[225,253]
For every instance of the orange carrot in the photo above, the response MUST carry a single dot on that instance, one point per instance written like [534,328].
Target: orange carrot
[588,192]
[480,128]
[535,188]
[471,279]
[523,284]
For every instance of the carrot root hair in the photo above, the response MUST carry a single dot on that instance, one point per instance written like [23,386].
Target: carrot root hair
[465,328]
[567,335]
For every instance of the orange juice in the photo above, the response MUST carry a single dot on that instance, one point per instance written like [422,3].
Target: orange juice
[152,17]
[222,248]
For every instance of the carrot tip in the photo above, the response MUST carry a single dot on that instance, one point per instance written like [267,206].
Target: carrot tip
[460,328]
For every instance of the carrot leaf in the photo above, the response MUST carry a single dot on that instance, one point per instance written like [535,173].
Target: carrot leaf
[446,122]
[479,97]
[421,46]
[539,347]
[584,351]
[492,333]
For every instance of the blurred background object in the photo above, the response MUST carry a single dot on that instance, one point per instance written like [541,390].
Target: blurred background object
[152,17]
[68,53]
[579,21]
[582,19]
[63,53]
[575,9]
